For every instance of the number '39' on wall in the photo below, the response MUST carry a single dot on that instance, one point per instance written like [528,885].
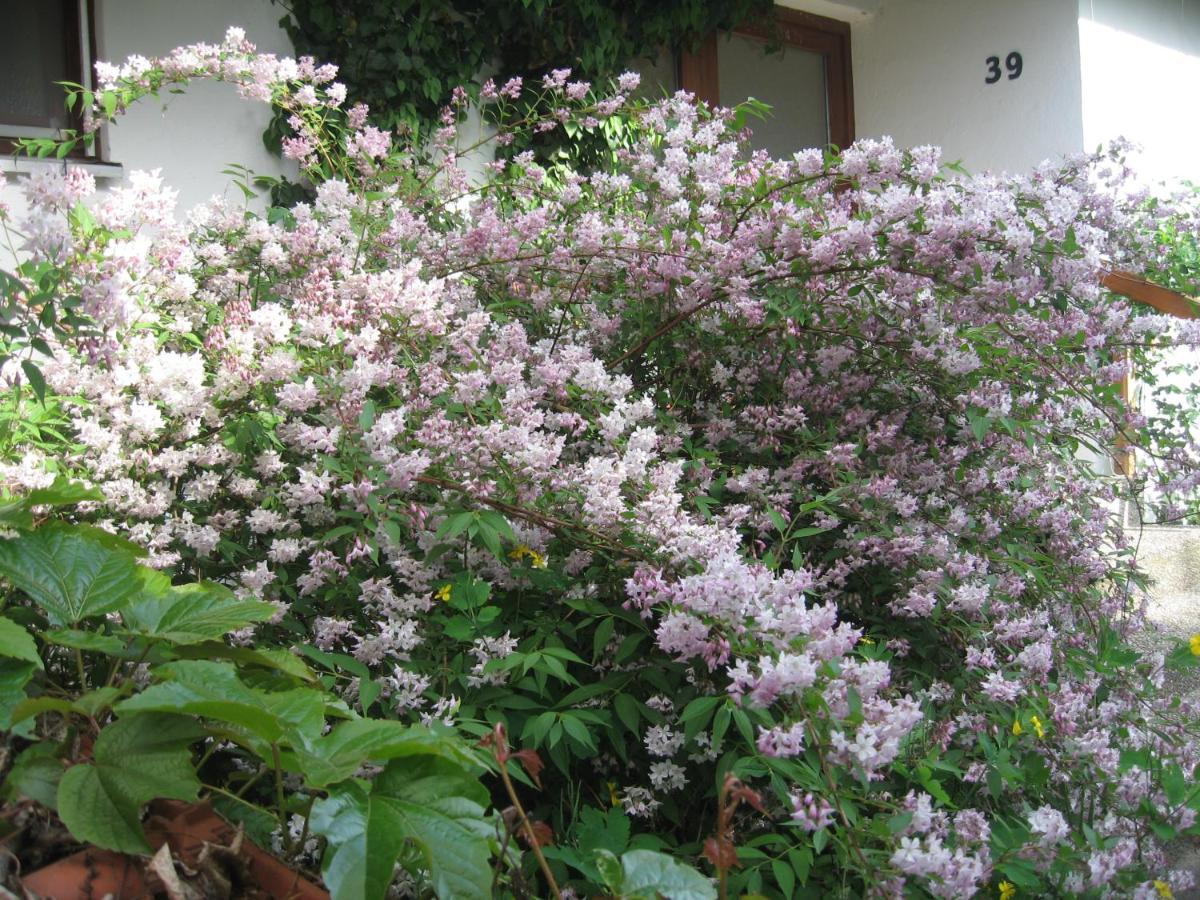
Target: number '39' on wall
[1013,63]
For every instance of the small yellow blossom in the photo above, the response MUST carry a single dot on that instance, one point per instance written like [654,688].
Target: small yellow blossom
[1017,729]
[1037,726]
[613,797]
[1164,889]
[1008,890]
[443,593]
[521,551]
[1194,643]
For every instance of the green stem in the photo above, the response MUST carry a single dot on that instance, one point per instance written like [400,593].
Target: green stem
[280,802]
[83,682]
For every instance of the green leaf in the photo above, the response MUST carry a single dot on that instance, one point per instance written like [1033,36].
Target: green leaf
[610,869]
[1174,784]
[63,492]
[627,711]
[339,754]
[607,830]
[35,706]
[434,803]
[67,572]
[17,643]
[280,660]
[35,774]
[191,613]
[213,690]
[36,380]
[85,640]
[136,759]
[649,875]
[14,675]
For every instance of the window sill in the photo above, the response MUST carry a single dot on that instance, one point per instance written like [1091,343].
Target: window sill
[27,166]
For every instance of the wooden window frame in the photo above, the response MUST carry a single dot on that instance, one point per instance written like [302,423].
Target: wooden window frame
[82,13]
[830,38]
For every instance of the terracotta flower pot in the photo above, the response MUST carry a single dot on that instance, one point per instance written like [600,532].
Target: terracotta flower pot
[196,837]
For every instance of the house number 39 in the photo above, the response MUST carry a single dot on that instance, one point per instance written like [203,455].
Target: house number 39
[1013,63]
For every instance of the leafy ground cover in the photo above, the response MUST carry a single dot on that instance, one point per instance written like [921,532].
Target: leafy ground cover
[701,524]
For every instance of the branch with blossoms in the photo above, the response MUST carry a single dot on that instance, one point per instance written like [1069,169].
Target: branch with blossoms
[698,463]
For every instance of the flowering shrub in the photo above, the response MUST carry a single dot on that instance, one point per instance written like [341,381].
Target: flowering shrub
[748,492]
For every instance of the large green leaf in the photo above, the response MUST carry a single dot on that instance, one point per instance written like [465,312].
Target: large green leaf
[69,573]
[338,755]
[63,492]
[136,759]
[269,658]
[213,689]
[14,675]
[433,802]
[648,875]
[94,641]
[17,643]
[191,613]
[35,774]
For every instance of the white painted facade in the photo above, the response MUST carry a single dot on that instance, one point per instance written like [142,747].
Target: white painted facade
[1092,70]
[191,137]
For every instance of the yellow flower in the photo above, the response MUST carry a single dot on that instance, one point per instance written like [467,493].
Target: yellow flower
[1017,729]
[1008,890]
[521,551]
[1164,889]
[613,797]
[443,593]
[1037,726]
[1194,643]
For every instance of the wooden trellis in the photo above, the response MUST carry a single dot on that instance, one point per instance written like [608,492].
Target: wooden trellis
[1162,299]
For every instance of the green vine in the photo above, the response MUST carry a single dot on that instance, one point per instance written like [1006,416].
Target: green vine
[403,58]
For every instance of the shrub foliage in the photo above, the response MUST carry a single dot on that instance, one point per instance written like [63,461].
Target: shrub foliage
[758,504]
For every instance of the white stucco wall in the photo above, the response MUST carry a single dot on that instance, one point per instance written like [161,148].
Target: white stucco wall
[919,75]
[1140,61]
[920,65]
[192,136]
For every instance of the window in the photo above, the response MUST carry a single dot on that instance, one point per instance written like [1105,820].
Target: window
[807,82]
[42,43]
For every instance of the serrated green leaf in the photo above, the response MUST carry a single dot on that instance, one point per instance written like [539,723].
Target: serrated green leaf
[213,690]
[192,613]
[63,492]
[608,830]
[647,875]
[435,804]
[68,572]
[136,759]
[14,675]
[338,755]
[17,643]
[35,774]
[85,640]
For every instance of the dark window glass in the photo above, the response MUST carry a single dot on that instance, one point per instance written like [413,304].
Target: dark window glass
[38,46]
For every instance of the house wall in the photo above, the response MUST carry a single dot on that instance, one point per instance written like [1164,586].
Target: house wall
[1140,61]
[920,68]
[192,136]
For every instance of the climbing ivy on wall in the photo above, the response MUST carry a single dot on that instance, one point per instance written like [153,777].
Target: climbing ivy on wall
[404,57]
